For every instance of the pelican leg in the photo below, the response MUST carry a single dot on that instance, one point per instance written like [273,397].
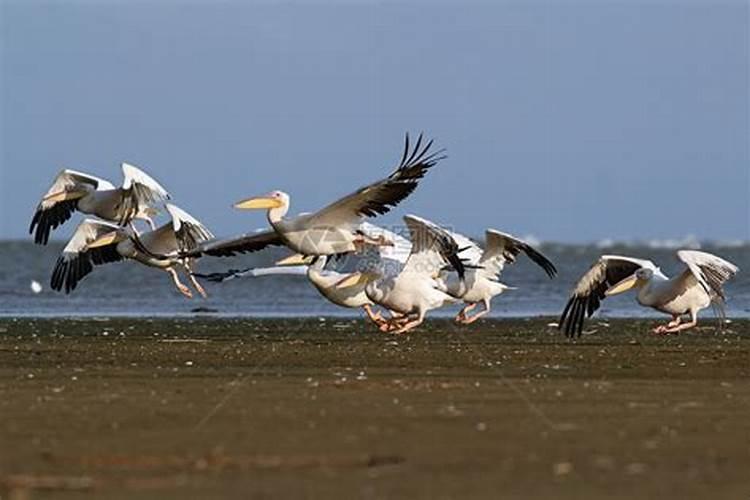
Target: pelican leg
[661,329]
[197,286]
[684,326]
[362,241]
[182,288]
[411,324]
[189,270]
[471,319]
[394,323]
[374,316]
[461,316]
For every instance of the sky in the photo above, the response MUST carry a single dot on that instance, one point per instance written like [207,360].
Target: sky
[570,121]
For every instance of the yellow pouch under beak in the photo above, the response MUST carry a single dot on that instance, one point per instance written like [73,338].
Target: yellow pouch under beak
[295,260]
[64,195]
[622,286]
[103,241]
[354,279]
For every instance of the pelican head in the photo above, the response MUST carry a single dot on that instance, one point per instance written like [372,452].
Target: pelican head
[274,199]
[637,279]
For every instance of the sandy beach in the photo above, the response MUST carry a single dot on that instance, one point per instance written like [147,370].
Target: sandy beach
[329,408]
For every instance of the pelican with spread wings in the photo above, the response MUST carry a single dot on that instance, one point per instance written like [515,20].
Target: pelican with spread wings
[483,268]
[335,228]
[91,195]
[416,288]
[325,280]
[696,288]
[96,242]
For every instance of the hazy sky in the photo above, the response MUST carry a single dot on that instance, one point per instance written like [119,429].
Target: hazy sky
[571,121]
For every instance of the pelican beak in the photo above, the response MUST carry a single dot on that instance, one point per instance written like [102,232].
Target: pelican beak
[103,241]
[296,260]
[622,286]
[353,280]
[64,195]
[259,202]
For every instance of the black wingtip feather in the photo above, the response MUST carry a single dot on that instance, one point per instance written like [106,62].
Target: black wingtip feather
[46,220]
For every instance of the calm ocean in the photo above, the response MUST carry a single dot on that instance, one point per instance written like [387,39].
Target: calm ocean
[126,288]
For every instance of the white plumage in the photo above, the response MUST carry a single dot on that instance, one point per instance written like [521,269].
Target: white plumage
[483,269]
[72,190]
[97,242]
[335,228]
[696,288]
[416,289]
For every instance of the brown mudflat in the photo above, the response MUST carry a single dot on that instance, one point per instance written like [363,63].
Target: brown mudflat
[237,408]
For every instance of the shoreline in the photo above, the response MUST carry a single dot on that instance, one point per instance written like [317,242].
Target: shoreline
[230,408]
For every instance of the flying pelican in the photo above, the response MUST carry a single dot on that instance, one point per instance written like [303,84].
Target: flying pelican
[483,268]
[697,287]
[324,280]
[335,228]
[91,195]
[416,288]
[96,242]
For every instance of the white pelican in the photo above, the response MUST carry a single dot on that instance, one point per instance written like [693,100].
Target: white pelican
[325,280]
[91,195]
[334,229]
[483,268]
[417,288]
[697,287]
[322,279]
[96,242]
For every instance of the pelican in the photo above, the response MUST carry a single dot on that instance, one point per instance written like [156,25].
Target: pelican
[333,229]
[325,281]
[96,242]
[417,287]
[696,288]
[91,195]
[483,268]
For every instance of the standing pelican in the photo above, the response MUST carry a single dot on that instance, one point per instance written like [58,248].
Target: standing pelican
[417,288]
[91,195]
[483,268]
[335,228]
[697,287]
[96,242]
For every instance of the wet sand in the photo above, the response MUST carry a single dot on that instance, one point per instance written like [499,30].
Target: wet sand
[238,408]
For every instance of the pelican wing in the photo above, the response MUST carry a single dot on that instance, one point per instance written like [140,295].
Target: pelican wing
[590,289]
[61,200]
[245,243]
[139,191]
[189,231]
[469,250]
[253,272]
[379,197]
[710,271]
[77,260]
[398,252]
[502,249]
[432,249]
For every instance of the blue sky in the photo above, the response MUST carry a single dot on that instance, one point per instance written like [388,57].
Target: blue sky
[572,121]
